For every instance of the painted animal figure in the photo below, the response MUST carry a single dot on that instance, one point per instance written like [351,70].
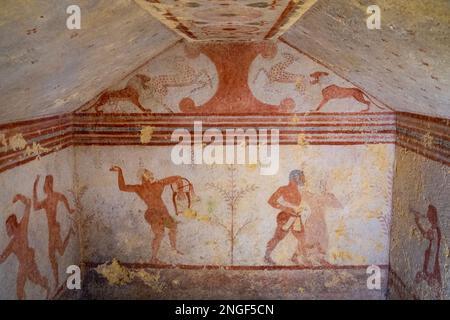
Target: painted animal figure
[156,86]
[184,76]
[335,92]
[278,73]
[129,93]
[316,76]
[316,235]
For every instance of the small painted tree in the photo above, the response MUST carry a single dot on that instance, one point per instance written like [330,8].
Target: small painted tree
[232,195]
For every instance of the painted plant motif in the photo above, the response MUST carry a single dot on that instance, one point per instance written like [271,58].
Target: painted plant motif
[232,195]
[157,214]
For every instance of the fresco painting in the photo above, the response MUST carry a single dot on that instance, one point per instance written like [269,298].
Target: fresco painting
[34,256]
[420,236]
[98,188]
[234,78]
[228,210]
[18,231]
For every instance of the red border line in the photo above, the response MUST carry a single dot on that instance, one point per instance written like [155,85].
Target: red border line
[135,265]
[233,114]
[422,152]
[290,7]
[443,121]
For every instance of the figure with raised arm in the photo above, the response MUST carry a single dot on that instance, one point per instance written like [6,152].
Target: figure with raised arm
[50,204]
[18,232]
[157,215]
[431,270]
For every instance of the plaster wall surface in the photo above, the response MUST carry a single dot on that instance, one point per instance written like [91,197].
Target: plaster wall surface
[420,258]
[36,266]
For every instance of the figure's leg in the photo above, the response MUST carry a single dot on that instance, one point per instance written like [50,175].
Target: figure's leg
[104,98]
[368,106]
[54,265]
[155,246]
[277,237]
[35,276]
[62,245]
[157,226]
[360,98]
[321,104]
[301,250]
[20,283]
[172,226]
[134,98]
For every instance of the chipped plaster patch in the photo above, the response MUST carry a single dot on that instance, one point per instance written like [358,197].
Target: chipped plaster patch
[36,150]
[3,140]
[301,140]
[116,274]
[17,142]
[146,134]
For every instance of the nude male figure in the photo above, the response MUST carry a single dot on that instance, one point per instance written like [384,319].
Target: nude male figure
[50,205]
[157,215]
[18,232]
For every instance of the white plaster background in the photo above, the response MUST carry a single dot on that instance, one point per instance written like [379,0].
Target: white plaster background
[418,183]
[259,84]
[359,176]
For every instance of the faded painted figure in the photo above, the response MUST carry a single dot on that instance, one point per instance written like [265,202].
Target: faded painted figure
[157,214]
[316,233]
[431,270]
[50,205]
[288,199]
[18,232]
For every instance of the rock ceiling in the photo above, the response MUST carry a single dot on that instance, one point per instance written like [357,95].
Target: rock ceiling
[405,64]
[46,69]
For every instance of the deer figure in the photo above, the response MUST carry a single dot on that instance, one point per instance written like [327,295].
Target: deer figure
[278,73]
[184,76]
[333,91]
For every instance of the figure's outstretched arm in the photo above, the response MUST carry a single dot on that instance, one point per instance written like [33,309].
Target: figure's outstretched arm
[26,213]
[6,253]
[64,200]
[37,205]
[121,181]
[417,220]
[173,179]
